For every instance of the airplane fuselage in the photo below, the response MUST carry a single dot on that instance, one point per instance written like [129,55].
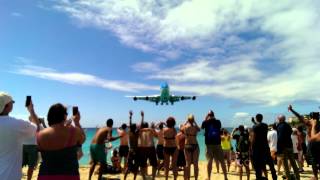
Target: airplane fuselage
[165,95]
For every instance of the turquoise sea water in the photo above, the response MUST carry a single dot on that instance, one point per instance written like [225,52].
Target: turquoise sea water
[91,131]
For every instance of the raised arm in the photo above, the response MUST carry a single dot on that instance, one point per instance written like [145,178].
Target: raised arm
[130,118]
[301,119]
[196,125]
[82,136]
[33,116]
[142,118]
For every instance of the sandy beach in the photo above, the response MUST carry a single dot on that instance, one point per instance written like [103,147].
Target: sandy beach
[232,175]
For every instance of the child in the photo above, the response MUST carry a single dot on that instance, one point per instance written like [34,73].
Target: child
[115,159]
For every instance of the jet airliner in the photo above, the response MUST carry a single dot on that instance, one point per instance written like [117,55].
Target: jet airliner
[165,96]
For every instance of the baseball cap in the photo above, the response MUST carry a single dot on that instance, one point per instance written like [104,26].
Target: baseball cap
[5,98]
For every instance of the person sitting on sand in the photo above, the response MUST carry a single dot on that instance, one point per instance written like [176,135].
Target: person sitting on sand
[97,148]
[124,141]
[132,162]
[191,149]
[13,132]
[212,127]
[170,147]
[146,148]
[58,145]
[115,159]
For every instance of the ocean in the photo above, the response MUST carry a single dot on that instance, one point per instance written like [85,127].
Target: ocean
[91,131]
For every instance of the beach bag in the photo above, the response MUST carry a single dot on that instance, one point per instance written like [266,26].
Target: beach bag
[213,133]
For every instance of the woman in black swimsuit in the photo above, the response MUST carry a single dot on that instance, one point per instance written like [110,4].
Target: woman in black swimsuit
[170,147]
[191,149]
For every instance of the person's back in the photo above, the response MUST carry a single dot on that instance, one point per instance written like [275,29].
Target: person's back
[272,137]
[284,132]
[13,132]
[58,145]
[260,143]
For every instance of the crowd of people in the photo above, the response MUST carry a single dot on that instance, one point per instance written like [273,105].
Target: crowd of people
[160,146]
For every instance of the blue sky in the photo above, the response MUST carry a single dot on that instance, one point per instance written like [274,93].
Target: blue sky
[240,58]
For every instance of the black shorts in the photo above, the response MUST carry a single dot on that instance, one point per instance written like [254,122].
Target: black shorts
[123,151]
[169,150]
[181,159]
[133,161]
[160,152]
[145,154]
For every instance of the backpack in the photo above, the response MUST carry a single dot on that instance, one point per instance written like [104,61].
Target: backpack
[213,133]
[243,144]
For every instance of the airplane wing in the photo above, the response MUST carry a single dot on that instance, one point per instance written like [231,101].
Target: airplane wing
[174,98]
[152,98]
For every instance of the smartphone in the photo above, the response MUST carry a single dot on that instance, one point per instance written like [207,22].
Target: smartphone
[75,110]
[28,101]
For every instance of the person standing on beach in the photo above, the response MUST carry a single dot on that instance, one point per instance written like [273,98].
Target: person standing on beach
[272,138]
[132,165]
[97,148]
[124,143]
[285,147]
[58,145]
[242,149]
[212,127]
[191,148]
[146,148]
[226,146]
[13,132]
[180,140]
[30,153]
[260,149]
[159,149]
[313,147]
[170,148]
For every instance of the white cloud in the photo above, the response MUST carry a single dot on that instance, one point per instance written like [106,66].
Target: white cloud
[16,14]
[241,118]
[255,51]
[81,79]
[146,67]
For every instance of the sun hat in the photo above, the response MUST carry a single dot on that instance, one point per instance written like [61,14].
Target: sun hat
[5,98]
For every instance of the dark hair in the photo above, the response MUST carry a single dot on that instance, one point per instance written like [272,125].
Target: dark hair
[274,126]
[241,128]
[124,126]
[144,125]
[300,128]
[56,114]
[115,152]
[109,122]
[259,117]
[161,126]
[171,122]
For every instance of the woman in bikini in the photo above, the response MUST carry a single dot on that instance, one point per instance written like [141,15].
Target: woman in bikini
[170,147]
[191,148]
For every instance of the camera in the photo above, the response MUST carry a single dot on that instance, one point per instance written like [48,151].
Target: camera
[314,115]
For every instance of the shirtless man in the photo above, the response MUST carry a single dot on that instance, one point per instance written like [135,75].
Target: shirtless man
[132,165]
[146,148]
[124,141]
[313,146]
[97,147]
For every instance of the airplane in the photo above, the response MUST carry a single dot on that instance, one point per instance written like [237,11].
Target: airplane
[164,98]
